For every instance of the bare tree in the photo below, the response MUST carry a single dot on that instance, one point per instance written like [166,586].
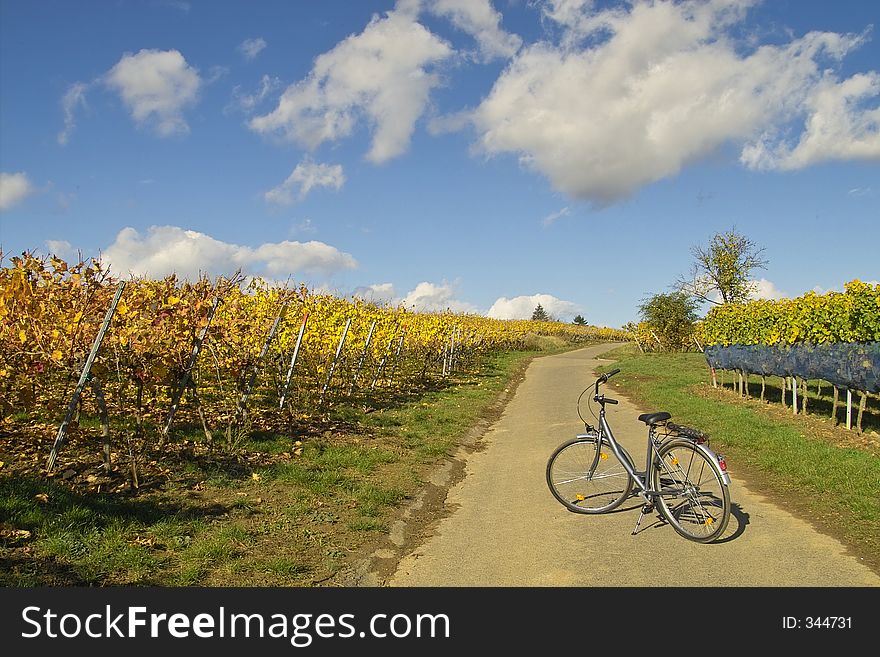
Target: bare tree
[723,268]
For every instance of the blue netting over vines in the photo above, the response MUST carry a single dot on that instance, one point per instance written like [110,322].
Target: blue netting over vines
[852,365]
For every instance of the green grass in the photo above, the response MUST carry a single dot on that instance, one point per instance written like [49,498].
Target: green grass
[801,461]
[292,521]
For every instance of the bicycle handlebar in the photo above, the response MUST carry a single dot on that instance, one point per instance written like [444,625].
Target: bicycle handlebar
[607,375]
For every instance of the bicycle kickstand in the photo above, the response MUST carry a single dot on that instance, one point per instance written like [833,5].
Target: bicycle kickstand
[646,508]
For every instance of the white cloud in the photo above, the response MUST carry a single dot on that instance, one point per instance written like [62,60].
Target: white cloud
[14,188]
[73,98]
[60,248]
[631,95]
[380,75]
[553,216]
[764,289]
[249,102]
[306,176]
[378,293]
[156,86]
[479,19]
[167,249]
[431,297]
[250,48]
[838,127]
[522,307]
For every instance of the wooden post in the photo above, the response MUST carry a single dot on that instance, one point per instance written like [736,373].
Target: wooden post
[382,363]
[834,405]
[794,388]
[184,382]
[804,399]
[363,356]
[848,408]
[863,402]
[299,339]
[763,385]
[105,421]
[658,340]
[333,362]
[697,342]
[396,357]
[452,350]
[642,349]
[239,411]
[783,383]
[83,378]
[714,379]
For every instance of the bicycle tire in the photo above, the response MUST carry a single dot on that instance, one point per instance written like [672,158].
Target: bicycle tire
[693,496]
[577,489]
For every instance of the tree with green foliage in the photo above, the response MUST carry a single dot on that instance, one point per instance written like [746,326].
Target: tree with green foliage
[579,320]
[540,315]
[723,269]
[671,316]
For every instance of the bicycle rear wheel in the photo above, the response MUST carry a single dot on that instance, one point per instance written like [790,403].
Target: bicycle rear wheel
[693,496]
[582,487]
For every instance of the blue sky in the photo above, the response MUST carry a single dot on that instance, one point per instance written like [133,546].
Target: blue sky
[465,154]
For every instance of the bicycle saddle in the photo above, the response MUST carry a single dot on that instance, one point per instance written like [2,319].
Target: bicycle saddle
[654,418]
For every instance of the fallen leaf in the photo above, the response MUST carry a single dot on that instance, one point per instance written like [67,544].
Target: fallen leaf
[42,497]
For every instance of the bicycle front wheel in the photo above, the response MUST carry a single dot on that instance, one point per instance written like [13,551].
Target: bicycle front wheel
[693,496]
[586,477]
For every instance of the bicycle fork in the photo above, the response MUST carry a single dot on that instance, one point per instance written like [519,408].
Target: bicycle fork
[643,491]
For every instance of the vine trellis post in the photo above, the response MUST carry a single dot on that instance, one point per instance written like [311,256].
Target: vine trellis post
[299,339]
[187,373]
[362,358]
[333,362]
[242,402]
[83,378]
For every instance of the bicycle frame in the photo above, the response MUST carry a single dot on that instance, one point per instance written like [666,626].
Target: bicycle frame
[641,479]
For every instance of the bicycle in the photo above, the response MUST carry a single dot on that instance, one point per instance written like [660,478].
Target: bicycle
[683,478]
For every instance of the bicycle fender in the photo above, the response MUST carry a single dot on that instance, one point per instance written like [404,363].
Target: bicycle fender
[713,458]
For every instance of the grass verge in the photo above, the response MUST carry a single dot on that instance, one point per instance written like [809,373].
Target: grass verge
[284,508]
[821,472]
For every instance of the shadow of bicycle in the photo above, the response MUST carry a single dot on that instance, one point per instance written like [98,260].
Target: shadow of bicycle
[739,519]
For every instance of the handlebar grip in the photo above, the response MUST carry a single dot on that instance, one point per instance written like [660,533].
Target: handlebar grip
[612,373]
[610,401]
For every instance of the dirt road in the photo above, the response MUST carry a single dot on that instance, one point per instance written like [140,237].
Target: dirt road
[503,527]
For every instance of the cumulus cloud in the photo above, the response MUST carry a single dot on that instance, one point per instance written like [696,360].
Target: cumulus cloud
[306,176]
[433,297]
[838,127]
[378,293]
[156,86]
[61,248]
[764,289]
[522,307]
[167,249]
[631,95]
[14,188]
[380,75]
[479,19]
[250,48]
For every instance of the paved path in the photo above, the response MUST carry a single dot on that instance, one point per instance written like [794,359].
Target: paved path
[507,530]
